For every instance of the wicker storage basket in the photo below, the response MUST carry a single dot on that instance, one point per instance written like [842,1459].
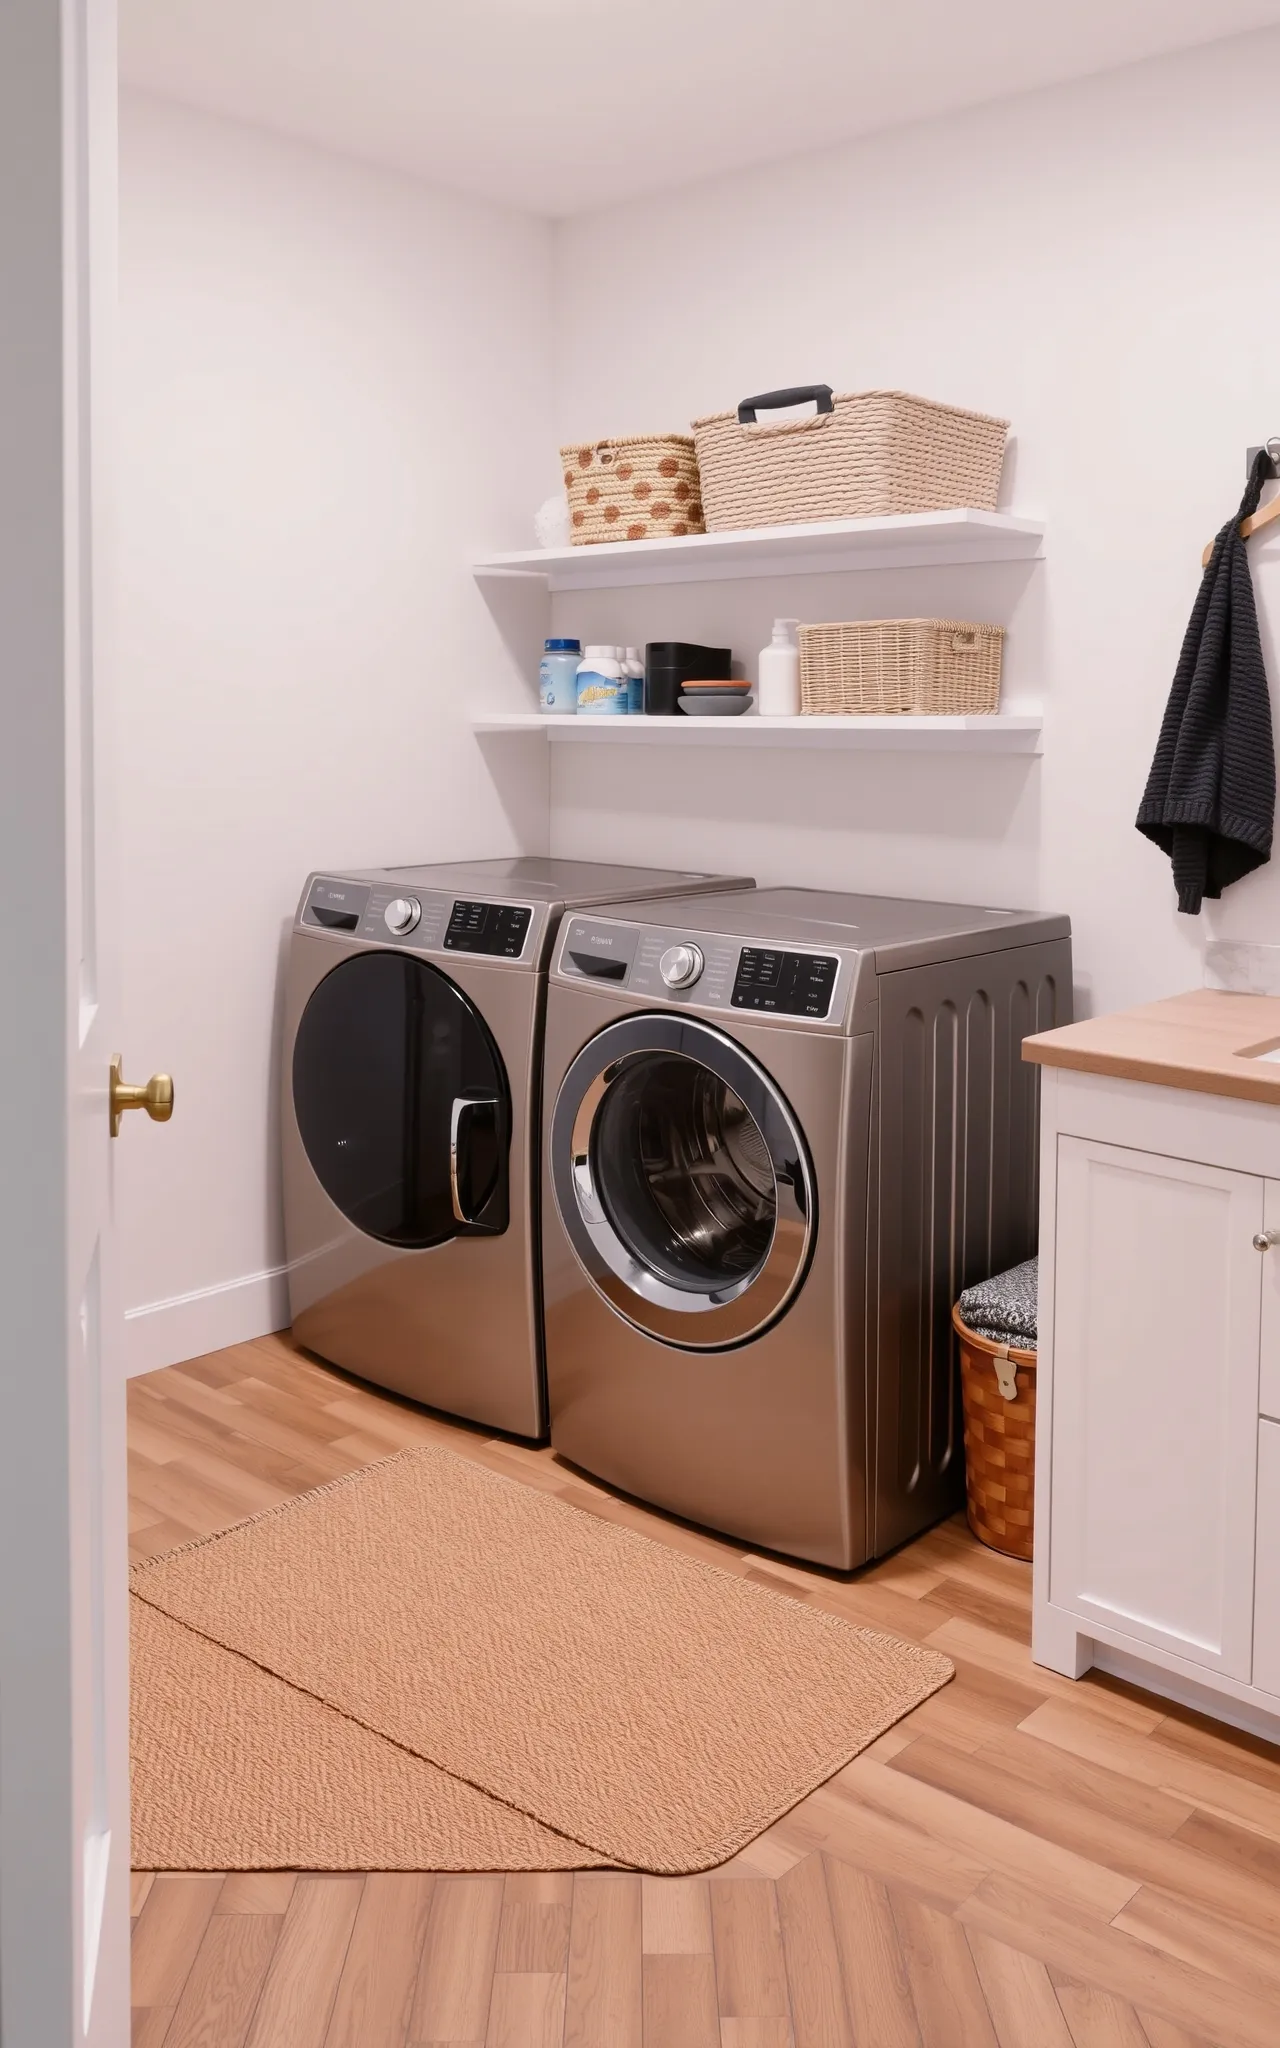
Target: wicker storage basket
[642,488]
[999,1440]
[870,454]
[938,666]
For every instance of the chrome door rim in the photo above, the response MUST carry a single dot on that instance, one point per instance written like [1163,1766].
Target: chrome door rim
[709,1319]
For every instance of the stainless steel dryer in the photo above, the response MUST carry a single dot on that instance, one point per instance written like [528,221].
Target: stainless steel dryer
[410,1108]
[784,1131]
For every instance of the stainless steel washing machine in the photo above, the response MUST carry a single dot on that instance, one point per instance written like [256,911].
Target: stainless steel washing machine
[784,1131]
[410,1120]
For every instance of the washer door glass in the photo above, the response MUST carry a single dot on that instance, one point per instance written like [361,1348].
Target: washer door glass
[402,1102]
[683,1181]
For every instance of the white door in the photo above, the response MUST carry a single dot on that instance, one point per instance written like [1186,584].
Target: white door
[1157,1293]
[64,1810]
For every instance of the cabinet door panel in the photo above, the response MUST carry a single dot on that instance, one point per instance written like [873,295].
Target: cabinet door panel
[1269,1390]
[1266,1606]
[1155,1393]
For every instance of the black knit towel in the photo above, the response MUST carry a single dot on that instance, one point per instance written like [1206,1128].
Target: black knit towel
[1211,794]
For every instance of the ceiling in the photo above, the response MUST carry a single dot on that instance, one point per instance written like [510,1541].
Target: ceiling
[563,105]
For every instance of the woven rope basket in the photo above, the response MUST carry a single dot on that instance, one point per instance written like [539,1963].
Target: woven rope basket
[644,487]
[876,453]
[999,1440]
[927,666]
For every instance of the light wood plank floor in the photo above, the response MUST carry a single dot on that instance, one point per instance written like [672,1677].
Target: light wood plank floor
[1021,1863]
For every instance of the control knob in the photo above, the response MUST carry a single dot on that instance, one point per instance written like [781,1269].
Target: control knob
[402,915]
[680,966]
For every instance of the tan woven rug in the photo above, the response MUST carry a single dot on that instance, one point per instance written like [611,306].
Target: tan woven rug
[429,1666]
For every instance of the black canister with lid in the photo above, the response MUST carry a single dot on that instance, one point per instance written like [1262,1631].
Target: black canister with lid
[669,664]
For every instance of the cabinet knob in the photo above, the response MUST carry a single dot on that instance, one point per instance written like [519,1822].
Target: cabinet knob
[1264,1239]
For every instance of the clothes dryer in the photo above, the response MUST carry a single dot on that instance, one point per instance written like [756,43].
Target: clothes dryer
[410,1120]
[785,1130]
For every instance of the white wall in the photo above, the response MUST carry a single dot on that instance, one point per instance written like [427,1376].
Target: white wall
[1095,262]
[335,388]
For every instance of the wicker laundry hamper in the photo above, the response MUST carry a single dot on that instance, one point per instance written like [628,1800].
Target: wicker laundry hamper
[927,666]
[998,1388]
[863,454]
[643,487]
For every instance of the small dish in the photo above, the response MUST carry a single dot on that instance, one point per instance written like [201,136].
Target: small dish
[714,704]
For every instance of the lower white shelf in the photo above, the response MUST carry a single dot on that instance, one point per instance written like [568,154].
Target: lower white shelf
[1001,732]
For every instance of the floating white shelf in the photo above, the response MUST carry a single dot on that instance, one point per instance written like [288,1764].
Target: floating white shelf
[907,541]
[1000,733]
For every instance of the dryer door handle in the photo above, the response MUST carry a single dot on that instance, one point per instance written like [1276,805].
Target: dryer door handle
[471,1116]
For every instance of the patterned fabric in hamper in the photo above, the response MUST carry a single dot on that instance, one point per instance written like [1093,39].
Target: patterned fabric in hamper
[644,487]
[1004,1309]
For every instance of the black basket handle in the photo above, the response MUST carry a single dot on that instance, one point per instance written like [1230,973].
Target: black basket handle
[799,394]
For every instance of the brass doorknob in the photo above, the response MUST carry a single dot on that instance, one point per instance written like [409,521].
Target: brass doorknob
[156,1097]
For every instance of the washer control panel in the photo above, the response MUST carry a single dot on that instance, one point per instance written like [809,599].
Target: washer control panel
[702,969]
[426,920]
[790,984]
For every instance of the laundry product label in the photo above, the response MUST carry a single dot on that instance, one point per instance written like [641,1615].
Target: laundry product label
[602,693]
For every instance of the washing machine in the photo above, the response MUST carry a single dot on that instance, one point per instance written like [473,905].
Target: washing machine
[785,1129]
[410,1120]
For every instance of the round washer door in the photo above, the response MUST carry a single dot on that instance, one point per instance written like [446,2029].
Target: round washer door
[402,1102]
[683,1181]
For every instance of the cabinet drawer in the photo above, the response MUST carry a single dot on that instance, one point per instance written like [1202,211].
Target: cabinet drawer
[1266,1601]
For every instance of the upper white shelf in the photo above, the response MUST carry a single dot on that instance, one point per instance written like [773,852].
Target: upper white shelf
[908,540]
[999,733]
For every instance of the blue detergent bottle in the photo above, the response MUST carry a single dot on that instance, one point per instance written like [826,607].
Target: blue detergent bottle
[558,677]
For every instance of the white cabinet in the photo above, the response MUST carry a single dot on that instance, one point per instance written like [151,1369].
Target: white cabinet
[1266,1612]
[1158,1400]
[1269,1389]
[1155,1399]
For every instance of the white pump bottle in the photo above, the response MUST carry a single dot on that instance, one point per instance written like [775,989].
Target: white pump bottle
[779,691]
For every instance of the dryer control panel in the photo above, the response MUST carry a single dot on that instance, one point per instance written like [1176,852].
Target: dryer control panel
[495,928]
[702,970]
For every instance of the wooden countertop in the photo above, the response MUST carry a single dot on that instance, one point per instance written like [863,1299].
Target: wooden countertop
[1200,1041]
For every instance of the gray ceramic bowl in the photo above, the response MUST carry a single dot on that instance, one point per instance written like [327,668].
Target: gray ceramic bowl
[714,703]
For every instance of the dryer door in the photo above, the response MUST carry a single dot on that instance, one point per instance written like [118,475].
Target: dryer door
[402,1102]
[683,1181]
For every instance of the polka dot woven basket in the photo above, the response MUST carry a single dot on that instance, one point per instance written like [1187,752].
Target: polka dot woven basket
[644,487]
